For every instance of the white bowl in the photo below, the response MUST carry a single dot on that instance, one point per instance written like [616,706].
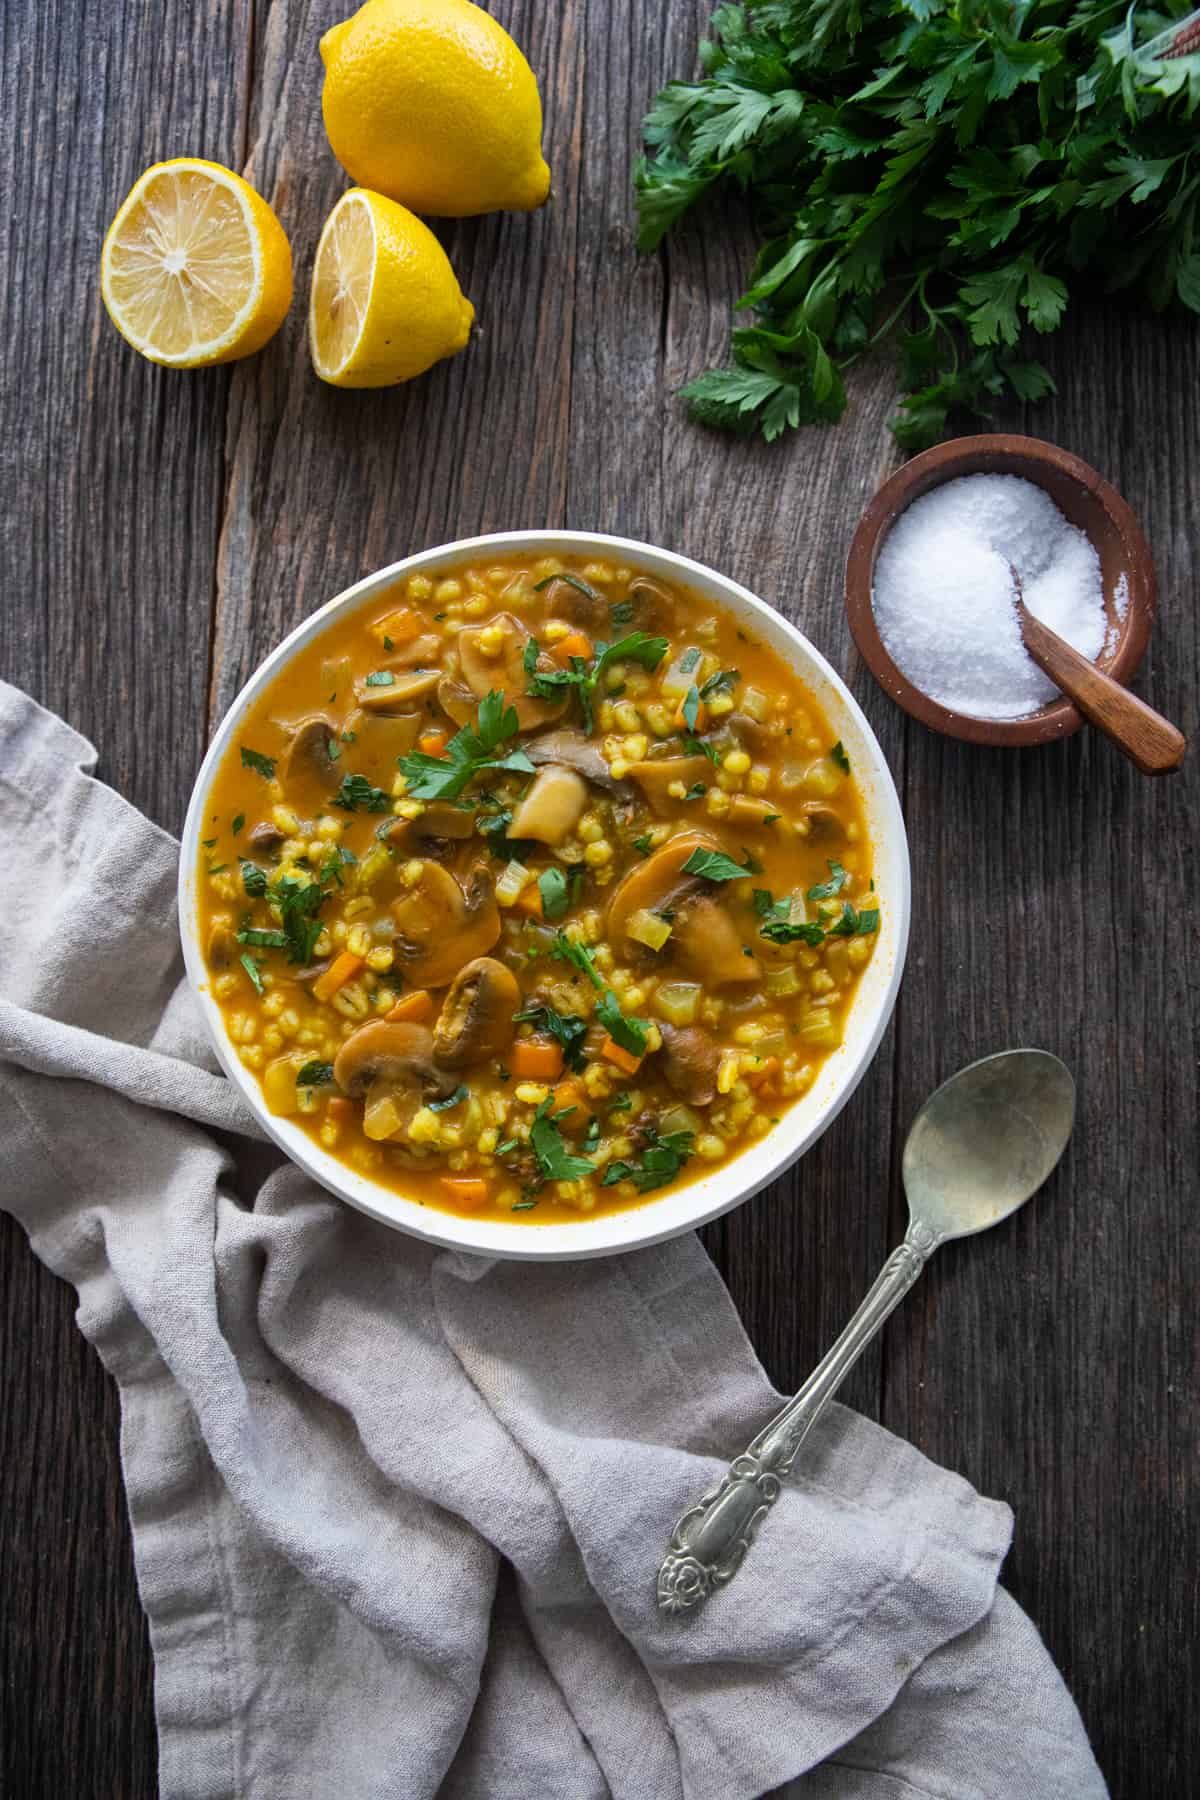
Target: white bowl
[707,1195]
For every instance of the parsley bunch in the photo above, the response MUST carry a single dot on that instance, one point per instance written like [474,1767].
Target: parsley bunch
[963,165]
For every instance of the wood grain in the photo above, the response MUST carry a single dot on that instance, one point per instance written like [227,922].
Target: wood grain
[161,533]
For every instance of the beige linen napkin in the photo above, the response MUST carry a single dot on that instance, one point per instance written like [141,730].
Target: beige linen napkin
[397,1512]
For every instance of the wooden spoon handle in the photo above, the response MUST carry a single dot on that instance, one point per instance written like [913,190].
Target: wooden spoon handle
[1146,738]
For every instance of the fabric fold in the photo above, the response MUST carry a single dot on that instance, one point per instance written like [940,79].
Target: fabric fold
[397,1512]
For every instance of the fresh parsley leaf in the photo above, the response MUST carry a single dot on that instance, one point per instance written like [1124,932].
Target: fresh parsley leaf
[838,755]
[207,843]
[461,1093]
[566,950]
[750,863]
[523,1205]
[628,1033]
[574,581]
[251,967]
[714,865]
[723,682]
[380,678]
[315,1074]
[529,660]
[662,1160]
[639,647]
[566,1028]
[777,925]
[642,844]
[555,1161]
[552,884]
[772,818]
[701,747]
[688,660]
[468,753]
[218,868]
[621,612]
[622,1102]
[262,765]
[356,791]
[697,791]
[508,1145]
[298,903]
[855,924]
[254,880]
[238,822]
[825,890]
[868,921]
[262,940]
[591,1137]
[691,707]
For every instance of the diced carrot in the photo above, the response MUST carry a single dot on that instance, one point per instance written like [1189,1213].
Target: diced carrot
[416,1007]
[341,1109]
[533,1059]
[624,1059]
[567,1093]
[465,1191]
[432,743]
[701,717]
[342,969]
[529,901]
[402,627]
[766,1071]
[576,643]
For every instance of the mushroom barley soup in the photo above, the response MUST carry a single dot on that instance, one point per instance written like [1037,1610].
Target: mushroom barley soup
[536,888]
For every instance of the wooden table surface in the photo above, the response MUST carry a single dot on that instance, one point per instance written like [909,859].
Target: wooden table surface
[161,531]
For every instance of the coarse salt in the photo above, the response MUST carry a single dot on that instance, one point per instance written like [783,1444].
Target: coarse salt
[945,602]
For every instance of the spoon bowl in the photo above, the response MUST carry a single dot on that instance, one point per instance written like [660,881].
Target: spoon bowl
[987,1140]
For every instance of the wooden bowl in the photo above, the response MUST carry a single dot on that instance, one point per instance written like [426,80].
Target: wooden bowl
[1085,498]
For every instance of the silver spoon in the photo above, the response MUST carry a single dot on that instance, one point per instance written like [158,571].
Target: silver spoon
[978,1148]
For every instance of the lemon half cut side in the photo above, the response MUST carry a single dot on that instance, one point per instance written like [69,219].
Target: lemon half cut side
[385,304]
[196,268]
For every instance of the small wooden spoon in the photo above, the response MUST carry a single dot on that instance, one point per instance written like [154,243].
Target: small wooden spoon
[1144,736]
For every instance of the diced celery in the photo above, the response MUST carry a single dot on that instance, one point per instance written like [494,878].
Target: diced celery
[819,1029]
[677,1002]
[781,982]
[514,878]
[337,676]
[756,703]
[681,1118]
[677,680]
[648,928]
[822,778]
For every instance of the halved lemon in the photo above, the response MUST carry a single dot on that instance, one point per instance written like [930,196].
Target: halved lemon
[195,268]
[385,304]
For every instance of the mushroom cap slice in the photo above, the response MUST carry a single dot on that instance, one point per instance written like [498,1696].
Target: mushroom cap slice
[309,773]
[655,605]
[823,823]
[406,687]
[579,605]
[552,806]
[379,739]
[441,822]
[506,671]
[649,885]
[476,1020]
[400,1055]
[691,1058]
[441,926]
[456,701]
[222,947]
[654,778]
[573,751]
[709,944]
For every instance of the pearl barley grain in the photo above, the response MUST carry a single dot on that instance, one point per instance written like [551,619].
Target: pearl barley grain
[945,603]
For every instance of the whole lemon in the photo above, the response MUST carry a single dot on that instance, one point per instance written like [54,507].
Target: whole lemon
[385,305]
[431,103]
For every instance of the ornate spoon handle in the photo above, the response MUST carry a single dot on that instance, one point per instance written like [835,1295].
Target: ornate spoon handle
[711,1538]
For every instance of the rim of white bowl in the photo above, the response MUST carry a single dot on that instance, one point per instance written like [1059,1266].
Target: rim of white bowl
[706,1196]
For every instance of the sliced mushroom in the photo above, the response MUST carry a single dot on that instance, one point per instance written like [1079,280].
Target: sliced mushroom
[441,927]
[440,825]
[654,604]
[506,670]
[309,772]
[655,778]
[399,694]
[222,947]
[656,883]
[266,836]
[476,1020]
[823,823]
[708,943]
[552,807]
[575,751]
[379,738]
[751,733]
[691,1059]
[456,701]
[418,653]
[579,607]
[392,1069]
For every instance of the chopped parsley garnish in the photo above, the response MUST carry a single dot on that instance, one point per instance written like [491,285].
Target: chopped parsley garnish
[591,1136]
[691,707]
[262,940]
[298,903]
[688,660]
[714,865]
[552,885]
[642,844]
[254,880]
[661,1162]
[238,822]
[621,612]
[772,818]
[838,755]
[567,951]
[546,684]
[574,581]
[387,642]
[778,926]
[628,1033]
[380,678]
[315,1074]
[333,749]
[825,890]
[349,737]
[723,682]
[461,1093]
[468,752]
[566,1029]
[218,868]
[262,765]
[697,791]
[331,869]
[508,1145]
[523,1205]
[701,747]
[251,967]
[356,791]
[555,1161]
[207,843]
[855,924]
[622,1102]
